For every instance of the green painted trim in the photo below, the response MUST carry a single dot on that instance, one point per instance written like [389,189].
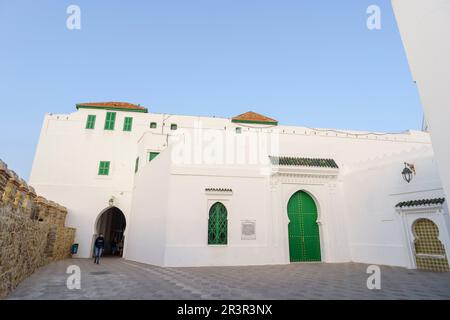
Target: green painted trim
[80,106]
[103,168]
[128,124]
[152,155]
[110,121]
[90,122]
[275,123]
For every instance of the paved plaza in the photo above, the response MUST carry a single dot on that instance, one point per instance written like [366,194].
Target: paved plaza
[116,278]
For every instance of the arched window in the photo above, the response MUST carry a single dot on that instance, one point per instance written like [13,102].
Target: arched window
[217,224]
[429,251]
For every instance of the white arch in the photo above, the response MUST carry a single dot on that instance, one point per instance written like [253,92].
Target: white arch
[95,231]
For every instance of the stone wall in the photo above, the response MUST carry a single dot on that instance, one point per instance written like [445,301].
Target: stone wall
[32,231]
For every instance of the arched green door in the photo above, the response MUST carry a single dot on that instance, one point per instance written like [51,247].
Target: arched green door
[304,239]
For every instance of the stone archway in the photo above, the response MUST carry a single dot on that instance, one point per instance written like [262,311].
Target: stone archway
[429,251]
[112,223]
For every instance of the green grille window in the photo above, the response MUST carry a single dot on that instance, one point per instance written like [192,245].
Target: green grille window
[136,166]
[152,155]
[90,123]
[217,224]
[153,125]
[110,120]
[173,126]
[238,130]
[127,124]
[103,168]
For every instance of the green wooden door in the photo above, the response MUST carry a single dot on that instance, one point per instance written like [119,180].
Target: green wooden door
[304,239]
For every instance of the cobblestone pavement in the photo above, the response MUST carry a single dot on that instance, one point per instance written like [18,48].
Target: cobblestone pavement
[122,279]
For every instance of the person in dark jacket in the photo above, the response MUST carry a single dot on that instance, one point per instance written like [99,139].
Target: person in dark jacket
[113,247]
[99,245]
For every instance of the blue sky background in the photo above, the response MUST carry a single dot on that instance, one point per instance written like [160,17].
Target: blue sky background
[311,63]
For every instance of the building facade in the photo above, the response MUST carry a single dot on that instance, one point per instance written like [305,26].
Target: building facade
[174,190]
[425,29]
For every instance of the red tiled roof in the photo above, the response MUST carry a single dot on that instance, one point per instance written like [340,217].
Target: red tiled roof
[253,117]
[125,106]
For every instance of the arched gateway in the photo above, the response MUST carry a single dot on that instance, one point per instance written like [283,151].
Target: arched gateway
[304,238]
[111,223]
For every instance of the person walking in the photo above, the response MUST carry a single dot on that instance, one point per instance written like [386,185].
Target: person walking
[99,245]
[113,247]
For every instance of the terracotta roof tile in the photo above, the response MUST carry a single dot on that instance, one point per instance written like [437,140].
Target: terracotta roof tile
[219,190]
[422,202]
[253,117]
[124,106]
[303,162]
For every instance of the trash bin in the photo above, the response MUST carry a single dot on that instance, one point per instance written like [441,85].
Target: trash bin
[74,248]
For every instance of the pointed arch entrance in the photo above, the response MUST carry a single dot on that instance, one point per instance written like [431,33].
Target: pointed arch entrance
[304,237]
[112,223]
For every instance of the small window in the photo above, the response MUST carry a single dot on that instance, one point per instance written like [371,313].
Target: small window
[90,123]
[136,166]
[152,155]
[110,120]
[238,130]
[103,169]
[127,124]
[153,125]
[218,225]
[173,126]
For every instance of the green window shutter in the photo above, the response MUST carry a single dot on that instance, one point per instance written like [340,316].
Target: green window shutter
[103,168]
[110,120]
[173,126]
[136,166]
[127,124]
[90,123]
[218,225]
[153,125]
[152,155]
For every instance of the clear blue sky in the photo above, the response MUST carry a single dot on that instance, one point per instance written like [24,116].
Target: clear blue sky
[311,63]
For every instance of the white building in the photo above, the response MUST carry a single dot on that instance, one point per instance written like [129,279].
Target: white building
[202,191]
[425,29]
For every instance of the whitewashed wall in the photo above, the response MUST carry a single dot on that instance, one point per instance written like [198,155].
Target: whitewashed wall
[372,190]
[425,30]
[147,228]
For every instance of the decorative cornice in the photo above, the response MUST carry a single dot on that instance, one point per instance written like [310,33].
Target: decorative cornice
[303,178]
[219,191]
[421,203]
[421,206]
[319,172]
[303,162]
